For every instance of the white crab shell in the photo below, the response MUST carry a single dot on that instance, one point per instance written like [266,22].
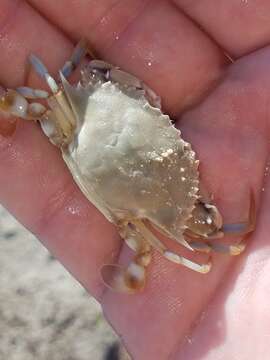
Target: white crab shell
[129,160]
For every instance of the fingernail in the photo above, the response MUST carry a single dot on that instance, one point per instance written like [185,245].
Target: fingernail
[7,127]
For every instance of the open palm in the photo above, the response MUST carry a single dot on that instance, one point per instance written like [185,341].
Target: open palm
[178,48]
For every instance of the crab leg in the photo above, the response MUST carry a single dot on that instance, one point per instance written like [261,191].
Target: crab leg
[157,244]
[244,228]
[132,278]
[236,249]
[61,110]
[70,65]
[42,71]
[57,102]
[15,104]
[78,54]
[80,51]
[30,93]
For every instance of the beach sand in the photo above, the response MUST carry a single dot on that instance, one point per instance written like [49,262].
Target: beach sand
[44,313]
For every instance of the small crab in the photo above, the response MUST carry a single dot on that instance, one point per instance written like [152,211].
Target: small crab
[129,161]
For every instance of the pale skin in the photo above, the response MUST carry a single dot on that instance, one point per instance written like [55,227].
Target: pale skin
[228,129]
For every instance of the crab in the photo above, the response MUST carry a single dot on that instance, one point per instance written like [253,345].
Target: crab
[130,162]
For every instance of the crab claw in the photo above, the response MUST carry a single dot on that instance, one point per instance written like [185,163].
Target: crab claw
[127,280]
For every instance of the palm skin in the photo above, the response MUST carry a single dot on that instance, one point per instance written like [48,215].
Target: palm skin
[180,314]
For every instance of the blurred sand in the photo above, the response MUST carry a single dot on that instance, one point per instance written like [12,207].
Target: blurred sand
[44,313]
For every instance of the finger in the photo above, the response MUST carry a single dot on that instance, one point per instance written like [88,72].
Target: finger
[239,27]
[243,300]
[153,41]
[247,285]
[230,132]
[18,24]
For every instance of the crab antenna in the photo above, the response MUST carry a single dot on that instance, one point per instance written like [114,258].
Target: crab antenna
[42,71]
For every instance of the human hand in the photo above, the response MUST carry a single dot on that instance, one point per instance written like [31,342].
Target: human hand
[180,314]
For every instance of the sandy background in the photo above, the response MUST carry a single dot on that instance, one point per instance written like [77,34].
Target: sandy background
[44,313]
